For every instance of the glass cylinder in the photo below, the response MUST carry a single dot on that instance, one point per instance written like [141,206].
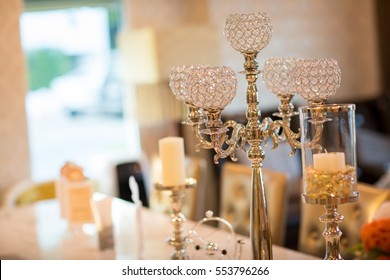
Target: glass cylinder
[328,153]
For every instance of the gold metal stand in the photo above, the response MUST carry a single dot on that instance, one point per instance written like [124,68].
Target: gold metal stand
[177,218]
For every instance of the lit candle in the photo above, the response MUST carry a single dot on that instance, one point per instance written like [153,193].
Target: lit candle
[329,162]
[173,161]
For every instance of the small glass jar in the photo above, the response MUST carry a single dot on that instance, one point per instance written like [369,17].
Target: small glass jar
[328,153]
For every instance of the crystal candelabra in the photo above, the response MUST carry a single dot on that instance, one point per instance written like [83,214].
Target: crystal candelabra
[207,90]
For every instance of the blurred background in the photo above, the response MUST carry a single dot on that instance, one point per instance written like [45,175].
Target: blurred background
[87,81]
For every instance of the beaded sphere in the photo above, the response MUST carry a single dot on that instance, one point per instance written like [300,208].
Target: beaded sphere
[211,87]
[248,33]
[316,79]
[277,75]
[177,81]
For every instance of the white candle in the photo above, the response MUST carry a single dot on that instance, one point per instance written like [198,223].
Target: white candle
[173,161]
[329,162]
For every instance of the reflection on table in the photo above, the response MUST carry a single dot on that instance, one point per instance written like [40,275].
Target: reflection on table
[37,232]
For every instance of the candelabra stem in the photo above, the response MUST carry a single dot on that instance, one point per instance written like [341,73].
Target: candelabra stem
[260,232]
[332,233]
[259,228]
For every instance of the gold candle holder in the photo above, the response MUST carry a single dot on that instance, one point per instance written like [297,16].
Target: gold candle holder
[177,241]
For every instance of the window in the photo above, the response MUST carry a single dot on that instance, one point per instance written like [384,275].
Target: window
[74,105]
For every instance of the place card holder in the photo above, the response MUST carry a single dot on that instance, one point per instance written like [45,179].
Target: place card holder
[74,193]
[75,199]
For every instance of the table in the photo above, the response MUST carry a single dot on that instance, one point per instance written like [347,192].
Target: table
[37,232]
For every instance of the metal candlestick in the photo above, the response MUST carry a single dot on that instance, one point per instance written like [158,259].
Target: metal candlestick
[177,218]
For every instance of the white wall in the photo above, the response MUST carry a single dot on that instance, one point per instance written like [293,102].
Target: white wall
[14,153]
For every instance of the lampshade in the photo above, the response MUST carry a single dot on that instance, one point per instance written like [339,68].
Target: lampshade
[150,53]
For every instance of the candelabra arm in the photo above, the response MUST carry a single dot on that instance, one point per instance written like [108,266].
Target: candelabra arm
[272,129]
[236,141]
[237,134]
[201,141]
[195,118]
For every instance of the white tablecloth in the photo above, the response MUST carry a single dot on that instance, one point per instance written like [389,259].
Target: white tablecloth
[37,232]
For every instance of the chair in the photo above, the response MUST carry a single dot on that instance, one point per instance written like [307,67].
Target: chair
[356,214]
[193,206]
[27,191]
[236,194]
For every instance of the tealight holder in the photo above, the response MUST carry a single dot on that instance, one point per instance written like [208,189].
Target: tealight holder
[329,167]
[177,217]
